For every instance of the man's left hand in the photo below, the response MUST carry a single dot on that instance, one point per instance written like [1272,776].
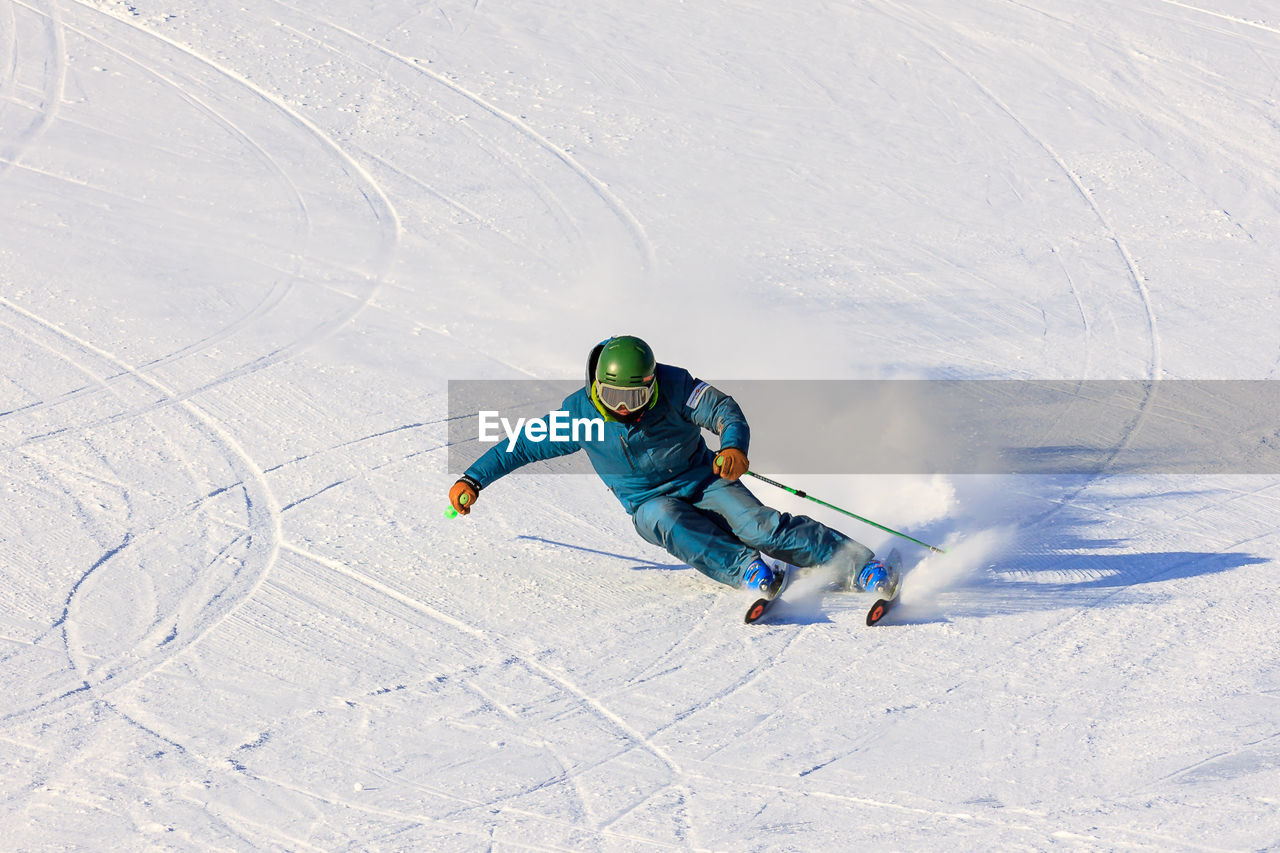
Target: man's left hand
[731,463]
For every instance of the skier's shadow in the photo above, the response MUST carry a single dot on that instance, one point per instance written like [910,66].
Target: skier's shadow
[1078,577]
[1053,547]
[1072,578]
[642,564]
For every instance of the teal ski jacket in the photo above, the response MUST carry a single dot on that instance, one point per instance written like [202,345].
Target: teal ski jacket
[662,454]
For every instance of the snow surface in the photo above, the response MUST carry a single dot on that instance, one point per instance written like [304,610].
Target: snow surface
[243,247]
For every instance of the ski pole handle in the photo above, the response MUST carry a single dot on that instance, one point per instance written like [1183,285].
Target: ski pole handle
[453,513]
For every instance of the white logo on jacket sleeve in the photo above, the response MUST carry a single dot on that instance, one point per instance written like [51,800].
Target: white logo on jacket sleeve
[695,396]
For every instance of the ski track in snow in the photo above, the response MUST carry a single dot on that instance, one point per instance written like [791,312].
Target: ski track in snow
[509,653]
[281,290]
[267,528]
[264,526]
[53,78]
[1136,280]
[379,204]
[1232,18]
[8,86]
[633,225]
[278,292]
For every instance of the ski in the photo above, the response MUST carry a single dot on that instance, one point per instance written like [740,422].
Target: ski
[885,604]
[887,601]
[879,609]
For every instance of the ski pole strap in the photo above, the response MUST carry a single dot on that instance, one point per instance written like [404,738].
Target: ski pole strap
[800,494]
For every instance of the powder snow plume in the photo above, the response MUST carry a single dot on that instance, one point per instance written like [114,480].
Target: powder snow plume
[965,558]
[907,502]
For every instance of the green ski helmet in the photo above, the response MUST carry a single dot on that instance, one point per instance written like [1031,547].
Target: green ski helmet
[625,375]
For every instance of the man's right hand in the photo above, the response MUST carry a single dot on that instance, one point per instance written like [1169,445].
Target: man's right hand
[462,496]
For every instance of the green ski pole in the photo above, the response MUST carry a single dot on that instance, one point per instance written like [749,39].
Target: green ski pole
[801,494]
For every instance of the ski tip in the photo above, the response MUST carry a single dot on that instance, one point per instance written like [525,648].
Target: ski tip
[757,610]
[877,611]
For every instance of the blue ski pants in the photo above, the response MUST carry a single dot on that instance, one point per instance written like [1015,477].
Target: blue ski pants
[721,531]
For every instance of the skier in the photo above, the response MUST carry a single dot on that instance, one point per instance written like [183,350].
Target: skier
[679,494]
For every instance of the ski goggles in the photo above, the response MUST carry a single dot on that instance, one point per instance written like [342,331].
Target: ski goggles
[633,398]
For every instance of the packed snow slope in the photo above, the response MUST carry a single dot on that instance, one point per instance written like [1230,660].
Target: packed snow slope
[244,246]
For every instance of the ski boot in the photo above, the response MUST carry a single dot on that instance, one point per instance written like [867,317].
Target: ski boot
[760,577]
[875,577]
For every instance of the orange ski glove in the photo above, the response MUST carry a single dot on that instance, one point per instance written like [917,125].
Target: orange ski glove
[731,463]
[463,495]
